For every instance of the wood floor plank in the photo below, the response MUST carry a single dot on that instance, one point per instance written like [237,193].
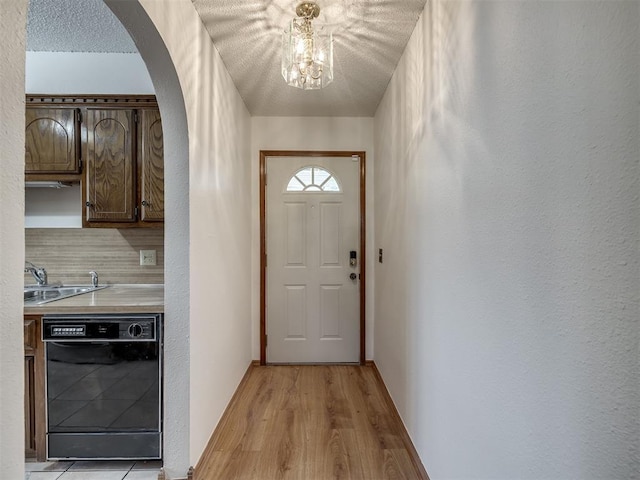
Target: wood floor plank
[325,422]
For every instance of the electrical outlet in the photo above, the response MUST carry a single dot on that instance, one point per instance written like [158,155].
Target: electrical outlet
[147,257]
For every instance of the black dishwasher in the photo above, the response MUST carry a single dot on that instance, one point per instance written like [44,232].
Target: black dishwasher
[103,386]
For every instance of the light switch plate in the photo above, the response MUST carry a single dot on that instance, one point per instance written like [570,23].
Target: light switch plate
[147,257]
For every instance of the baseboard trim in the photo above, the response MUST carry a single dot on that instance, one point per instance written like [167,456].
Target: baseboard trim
[406,439]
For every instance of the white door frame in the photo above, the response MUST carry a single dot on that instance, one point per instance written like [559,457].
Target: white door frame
[347,155]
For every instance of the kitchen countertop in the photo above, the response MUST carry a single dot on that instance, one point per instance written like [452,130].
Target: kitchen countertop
[130,298]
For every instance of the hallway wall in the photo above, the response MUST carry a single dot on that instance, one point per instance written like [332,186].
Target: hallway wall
[507,206]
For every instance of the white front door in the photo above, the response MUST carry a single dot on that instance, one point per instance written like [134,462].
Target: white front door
[313,290]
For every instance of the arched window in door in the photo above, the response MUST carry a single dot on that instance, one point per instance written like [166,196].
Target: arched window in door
[313,179]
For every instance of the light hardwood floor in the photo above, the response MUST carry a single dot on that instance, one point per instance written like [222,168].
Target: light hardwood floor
[310,423]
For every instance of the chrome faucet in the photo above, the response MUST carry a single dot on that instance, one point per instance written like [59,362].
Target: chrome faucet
[94,278]
[39,273]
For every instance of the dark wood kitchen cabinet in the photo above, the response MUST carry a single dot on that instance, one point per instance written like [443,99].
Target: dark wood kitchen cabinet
[124,168]
[110,166]
[151,155]
[34,398]
[111,144]
[52,143]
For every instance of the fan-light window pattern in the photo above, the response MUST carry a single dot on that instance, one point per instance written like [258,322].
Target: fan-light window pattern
[313,179]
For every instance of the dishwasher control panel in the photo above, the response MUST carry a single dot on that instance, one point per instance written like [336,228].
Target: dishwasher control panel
[86,328]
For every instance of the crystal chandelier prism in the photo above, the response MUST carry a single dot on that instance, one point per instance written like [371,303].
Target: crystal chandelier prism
[307,53]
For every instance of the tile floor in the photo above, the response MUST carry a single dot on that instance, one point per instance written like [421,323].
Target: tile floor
[93,470]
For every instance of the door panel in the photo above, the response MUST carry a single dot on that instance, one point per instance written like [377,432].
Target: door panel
[312,304]
[330,234]
[330,311]
[296,311]
[296,218]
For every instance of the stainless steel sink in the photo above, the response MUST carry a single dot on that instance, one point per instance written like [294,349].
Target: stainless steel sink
[39,294]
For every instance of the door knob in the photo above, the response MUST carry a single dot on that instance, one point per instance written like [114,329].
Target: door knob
[353,276]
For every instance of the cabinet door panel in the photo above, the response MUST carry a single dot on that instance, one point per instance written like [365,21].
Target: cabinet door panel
[30,335]
[34,401]
[151,167]
[30,444]
[110,166]
[51,140]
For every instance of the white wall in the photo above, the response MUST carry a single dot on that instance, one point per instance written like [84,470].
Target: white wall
[87,73]
[12,45]
[507,205]
[219,216]
[309,133]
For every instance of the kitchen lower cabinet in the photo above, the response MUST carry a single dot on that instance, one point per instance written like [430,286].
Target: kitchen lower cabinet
[34,399]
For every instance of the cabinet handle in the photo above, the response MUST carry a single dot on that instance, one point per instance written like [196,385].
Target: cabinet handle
[89,204]
[145,203]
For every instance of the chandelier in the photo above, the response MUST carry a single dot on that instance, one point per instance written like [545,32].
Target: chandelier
[307,55]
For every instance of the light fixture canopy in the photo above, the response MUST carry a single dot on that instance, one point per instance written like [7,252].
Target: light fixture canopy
[307,53]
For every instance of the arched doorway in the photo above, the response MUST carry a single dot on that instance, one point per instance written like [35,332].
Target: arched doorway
[169,95]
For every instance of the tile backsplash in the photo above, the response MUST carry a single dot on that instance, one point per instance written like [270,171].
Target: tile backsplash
[70,254]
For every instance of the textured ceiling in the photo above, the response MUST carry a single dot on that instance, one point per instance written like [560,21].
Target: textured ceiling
[75,26]
[369,38]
